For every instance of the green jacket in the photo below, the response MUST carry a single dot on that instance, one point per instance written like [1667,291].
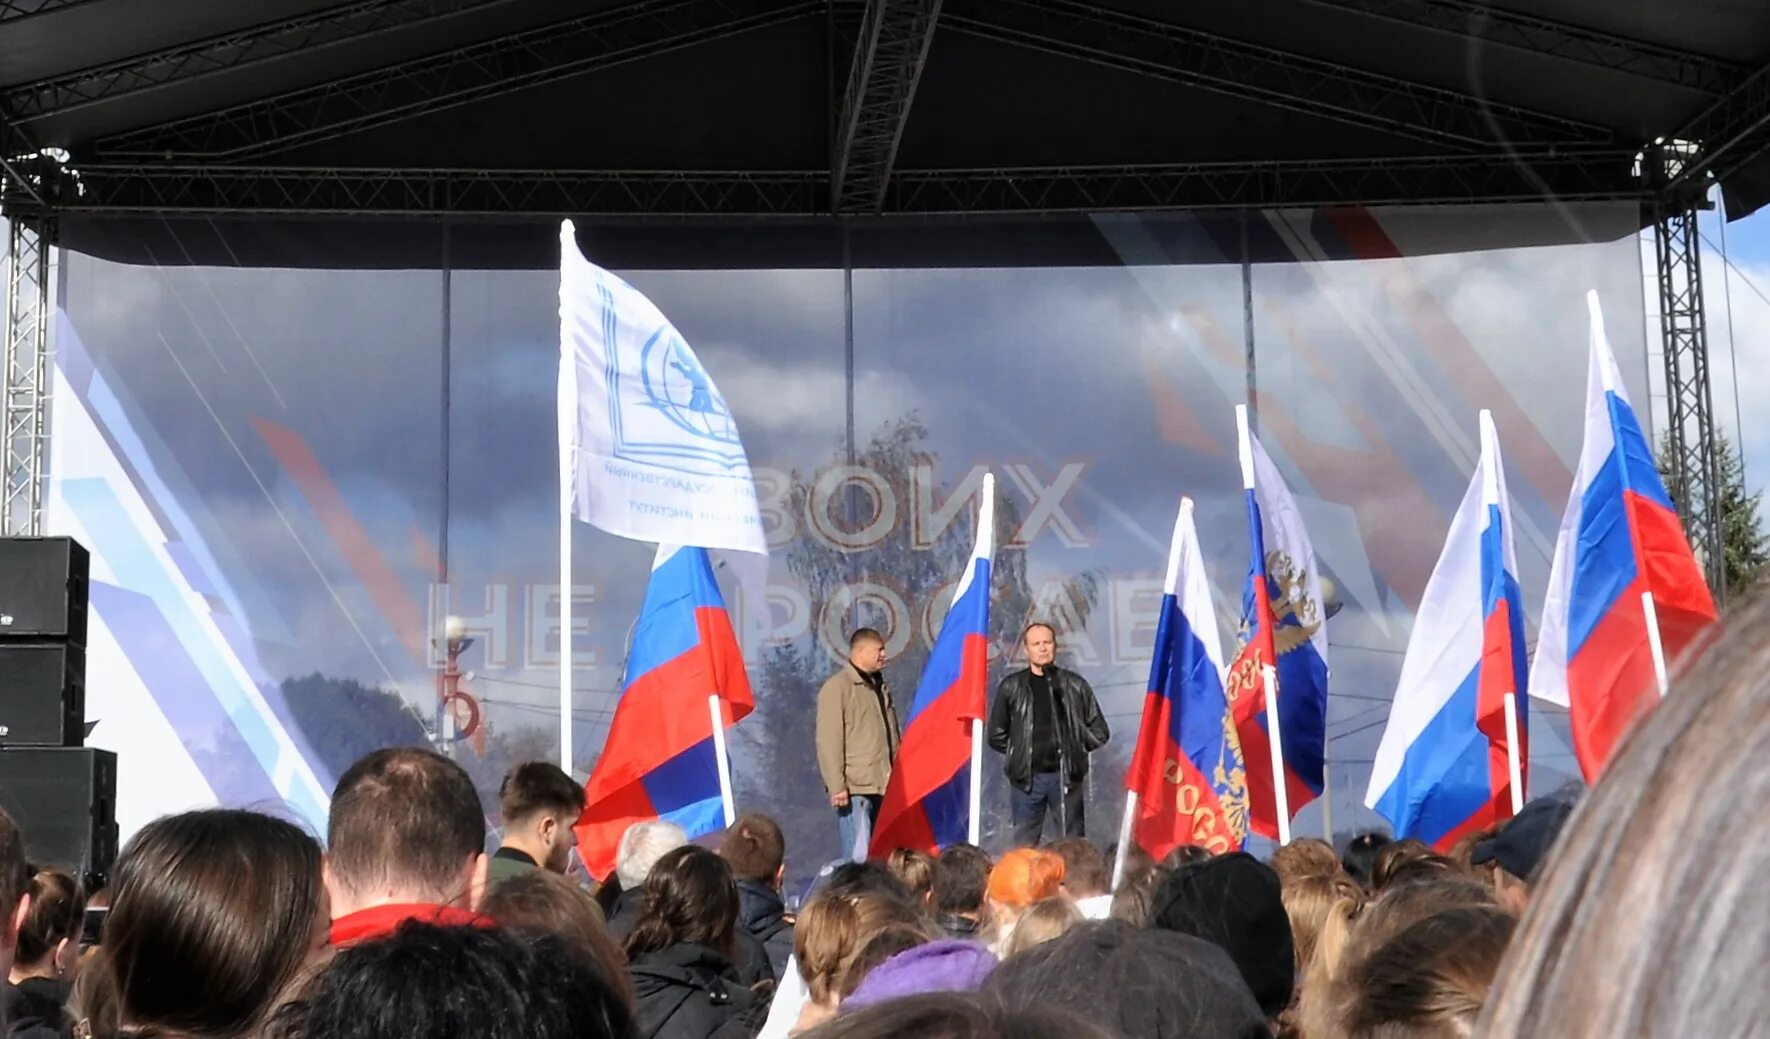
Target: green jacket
[856,740]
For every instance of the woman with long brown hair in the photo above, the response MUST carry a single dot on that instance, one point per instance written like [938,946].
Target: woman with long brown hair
[535,903]
[48,950]
[1650,918]
[682,952]
[215,916]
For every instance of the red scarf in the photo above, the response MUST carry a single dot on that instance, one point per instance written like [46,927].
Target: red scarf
[381,921]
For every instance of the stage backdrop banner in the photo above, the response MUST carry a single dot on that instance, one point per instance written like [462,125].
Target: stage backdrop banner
[290,478]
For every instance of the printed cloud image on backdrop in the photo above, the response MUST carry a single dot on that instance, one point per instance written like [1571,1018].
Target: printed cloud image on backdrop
[290,478]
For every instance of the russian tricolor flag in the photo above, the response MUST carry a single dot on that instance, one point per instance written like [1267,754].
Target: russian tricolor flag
[1623,571]
[1284,625]
[1444,768]
[659,760]
[931,799]
[1186,780]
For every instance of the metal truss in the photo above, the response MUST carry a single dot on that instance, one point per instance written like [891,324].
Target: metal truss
[881,87]
[448,192]
[1481,20]
[153,188]
[1729,133]
[1301,84]
[1690,411]
[15,10]
[24,399]
[545,54]
[300,34]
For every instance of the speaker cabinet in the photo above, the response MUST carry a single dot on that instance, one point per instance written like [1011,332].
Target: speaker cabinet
[42,694]
[64,800]
[43,589]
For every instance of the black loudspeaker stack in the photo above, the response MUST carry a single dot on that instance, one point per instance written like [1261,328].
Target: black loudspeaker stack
[61,793]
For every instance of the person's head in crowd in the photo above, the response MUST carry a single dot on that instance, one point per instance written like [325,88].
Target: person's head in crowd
[916,870]
[49,940]
[952,1015]
[1042,922]
[539,803]
[1311,901]
[1361,855]
[537,903]
[853,879]
[1429,981]
[1648,918]
[1133,901]
[1022,877]
[961,882]
[1085,872]
[1235,901]
[878,950]
[1306,857]
[215,915]
[756,850]
[642,846]
[866,651]
[429,982]
[690,899]
[406,837]
[1517,852]
[836,926]
[1133,981]
[915,969]
[1346,938]
[1463,851]
[1185,855]
[15,877]
[1406,861]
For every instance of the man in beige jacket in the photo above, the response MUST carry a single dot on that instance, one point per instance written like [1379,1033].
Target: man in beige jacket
[857,734]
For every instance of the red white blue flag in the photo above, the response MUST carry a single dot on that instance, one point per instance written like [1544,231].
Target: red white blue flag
[927,803]
[1443,769]
[1622,571]
[1186,771]
[659,760]
[1284,626]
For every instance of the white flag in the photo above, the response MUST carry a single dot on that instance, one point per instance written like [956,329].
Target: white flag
[655,454]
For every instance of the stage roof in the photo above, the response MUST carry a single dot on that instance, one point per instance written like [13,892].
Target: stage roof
[794,111]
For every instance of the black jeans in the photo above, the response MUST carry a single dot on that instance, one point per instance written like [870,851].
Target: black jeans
[1028,809]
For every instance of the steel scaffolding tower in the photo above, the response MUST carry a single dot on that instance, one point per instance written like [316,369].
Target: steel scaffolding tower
[24,414]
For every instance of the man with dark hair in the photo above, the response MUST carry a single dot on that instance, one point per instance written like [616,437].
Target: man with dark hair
[539,803]
[961,878]
[15,882]
[1086,879]
[857,735]
[406,840]
[1046,721]
[757,852]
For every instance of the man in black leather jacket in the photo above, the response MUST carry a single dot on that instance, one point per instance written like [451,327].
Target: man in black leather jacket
[1046,721]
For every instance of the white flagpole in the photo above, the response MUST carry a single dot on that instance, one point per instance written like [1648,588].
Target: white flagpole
[1327,800]
[722,758]
[1268,671]
[1281,796]
[1653,642]
[1125,828]
[1514,763]
[974,833]
[567,463]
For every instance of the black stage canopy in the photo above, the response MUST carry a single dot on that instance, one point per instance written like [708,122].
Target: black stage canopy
[330,126]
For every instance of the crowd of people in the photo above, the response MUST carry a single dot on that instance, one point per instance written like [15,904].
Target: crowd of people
[1639,912]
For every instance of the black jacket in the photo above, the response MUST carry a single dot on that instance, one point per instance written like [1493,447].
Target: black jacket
[692,992]
[1081,729]
[629,906]
[763,916]
[34,1009]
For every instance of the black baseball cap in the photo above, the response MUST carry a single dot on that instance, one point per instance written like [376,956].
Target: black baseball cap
[1522,846]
